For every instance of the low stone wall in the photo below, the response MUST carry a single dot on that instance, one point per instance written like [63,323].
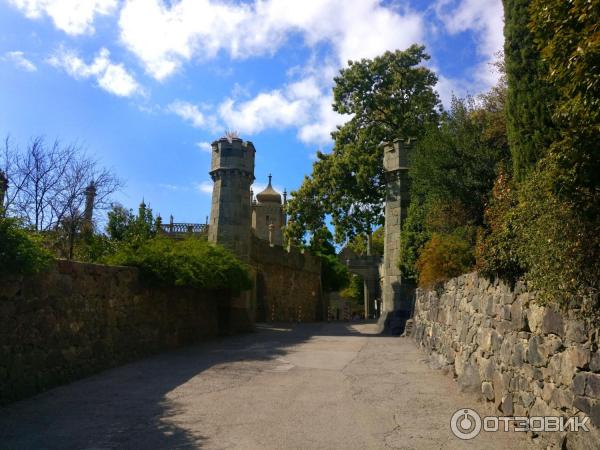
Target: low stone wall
[77,319]
[526,359]
[288,284]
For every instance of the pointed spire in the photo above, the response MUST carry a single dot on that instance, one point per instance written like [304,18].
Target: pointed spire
[269,194]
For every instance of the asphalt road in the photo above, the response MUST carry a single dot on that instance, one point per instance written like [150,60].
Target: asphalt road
[330,386]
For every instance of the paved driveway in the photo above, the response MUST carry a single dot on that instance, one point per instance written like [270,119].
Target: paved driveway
[331,386]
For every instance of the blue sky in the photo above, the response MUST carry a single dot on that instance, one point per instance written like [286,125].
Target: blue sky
[145,85]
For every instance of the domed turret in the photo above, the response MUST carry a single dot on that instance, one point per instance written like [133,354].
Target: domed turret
[269,195]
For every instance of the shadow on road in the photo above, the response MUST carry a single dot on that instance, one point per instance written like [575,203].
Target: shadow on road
[126,407]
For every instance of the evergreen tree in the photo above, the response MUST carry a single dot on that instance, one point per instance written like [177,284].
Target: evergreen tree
[529,123]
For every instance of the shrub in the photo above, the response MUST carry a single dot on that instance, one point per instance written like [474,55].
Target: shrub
[537,233]
[190,262]
[497,250]
[21,252]
[558,243]
[93,248]
[444,217]
[413,238]
[445,256]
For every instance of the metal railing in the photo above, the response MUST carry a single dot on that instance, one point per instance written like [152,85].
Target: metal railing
[183,228]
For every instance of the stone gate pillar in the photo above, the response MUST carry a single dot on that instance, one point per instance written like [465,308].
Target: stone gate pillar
[396,292]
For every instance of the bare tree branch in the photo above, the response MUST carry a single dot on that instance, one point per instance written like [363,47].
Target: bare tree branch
[47,183]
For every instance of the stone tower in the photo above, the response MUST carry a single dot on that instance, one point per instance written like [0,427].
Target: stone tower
[232,171]
[3,189]
[268,216]
[397,294]
[88,213]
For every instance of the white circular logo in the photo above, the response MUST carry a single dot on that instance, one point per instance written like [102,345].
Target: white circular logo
[465,424]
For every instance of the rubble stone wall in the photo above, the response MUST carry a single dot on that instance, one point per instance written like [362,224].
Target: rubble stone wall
[528,360]
[77,319]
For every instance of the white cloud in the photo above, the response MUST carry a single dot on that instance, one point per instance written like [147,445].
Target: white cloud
[448,87]
[188,112]
[318,131]
[163,37]
[204,187]
[72,16]
[266,110]
[484,17]
[204,146]
[304,104]
[19,60]
[111,77]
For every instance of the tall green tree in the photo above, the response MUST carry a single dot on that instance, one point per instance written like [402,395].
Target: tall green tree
[388,97]
[530,126]
[457,161]
[568,36]
[123,225]
[452,171]
[549,226]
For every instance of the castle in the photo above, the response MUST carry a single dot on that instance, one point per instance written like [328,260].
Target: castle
[287,280]
[252,229]
[236,215]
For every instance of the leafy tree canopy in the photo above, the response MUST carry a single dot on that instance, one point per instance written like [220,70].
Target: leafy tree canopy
[123,225]
[358,244]
[388,97]
[568,36]
[458,160]
[452,171]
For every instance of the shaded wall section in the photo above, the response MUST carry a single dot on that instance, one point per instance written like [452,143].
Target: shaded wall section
[77,319]
[288,284]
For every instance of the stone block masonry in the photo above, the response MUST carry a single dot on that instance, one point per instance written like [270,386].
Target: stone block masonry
[77,319]
[525,359]
[288,284]
[397,292]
